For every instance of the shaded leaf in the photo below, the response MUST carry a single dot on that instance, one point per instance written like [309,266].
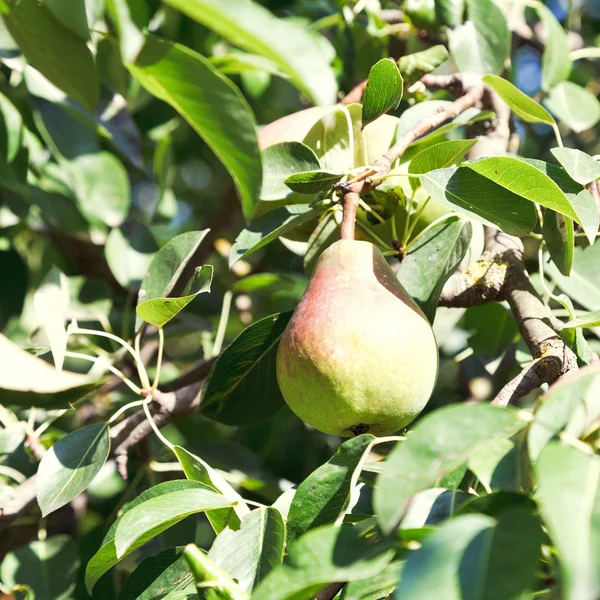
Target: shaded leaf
[414,66]
[431,259]
[580,166]
[246,365]
[287,44]
[322,496]
[383,91]
[211,104]
[559,235]
[70,465]
[439,443]
[313,182]
[575,106]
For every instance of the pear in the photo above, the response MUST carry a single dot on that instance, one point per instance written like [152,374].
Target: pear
[358,355]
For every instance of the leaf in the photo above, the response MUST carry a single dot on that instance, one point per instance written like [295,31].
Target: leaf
[482,44]
[521,104]
[148,519]
[479,198]
[51,304]
[580,166]
[106,557]
[261,282]
[439,443]
[323,555]
[591,319]
[303,57]
[539,182]
[246,365]
[196,469]
[237,62]
[559,236]
[571,405]
[325,234]
[11,437]
[313,182]
[49,567]
[438,156]
[58,53]
[475,556]
[569,498]
[11,138]
[556,64]
[129,250]
[70,465]
[325,493]
[383,91]
[159,311]
[211,104]
[583,284]
[131,39]
[102,186]
[269,227]
[492,328]
[414,66]
[431,259]
[247,555]
[575,106]
[497,466]
[72,14]
[26,380]
[378,586]
[157,575]
[279,162]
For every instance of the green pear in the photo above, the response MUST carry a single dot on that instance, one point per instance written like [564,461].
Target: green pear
[358,355]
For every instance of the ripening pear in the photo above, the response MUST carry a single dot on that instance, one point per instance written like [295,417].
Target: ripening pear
[358,355]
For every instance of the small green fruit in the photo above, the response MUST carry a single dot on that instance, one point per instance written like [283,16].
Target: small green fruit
[358,354]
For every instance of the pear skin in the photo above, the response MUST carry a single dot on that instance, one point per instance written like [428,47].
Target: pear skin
[358,355]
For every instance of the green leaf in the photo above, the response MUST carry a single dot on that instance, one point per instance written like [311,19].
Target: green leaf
[450,12]
[72,14]
[439,443]
[575,106]
[106,557]
[159,311]
[583,284]
[102,187]
[496,465]
[591,319]
[313,182]
[438,156]
[482,44]
[279,162]
[475,556]
[70,465]
[211,104]
[169,264]
[556,64]
[51,305]
[237,62]
[431,259]
[26,380]
[12,135]
[383,91]
[326,233]
[414,66]
[131,39]
[269,227]
[324,494]
[479,198]
[559,235]
[166,571]
[493,330]
[148,519]
[54,50]
[11,438]
[302,56]
[520,103]
[261,282]
[569,498]
[196,469]
[49,567]
[570,405]
[335,138]
[247,555]
[129,250]
[580,166]
[542,183]
[246,365]
[323,555]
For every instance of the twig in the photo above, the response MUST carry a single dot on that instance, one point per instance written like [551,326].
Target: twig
[331,591]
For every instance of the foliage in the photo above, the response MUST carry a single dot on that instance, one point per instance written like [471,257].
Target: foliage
[166,188]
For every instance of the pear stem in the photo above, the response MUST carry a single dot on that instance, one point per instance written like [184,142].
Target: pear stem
[351,202]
